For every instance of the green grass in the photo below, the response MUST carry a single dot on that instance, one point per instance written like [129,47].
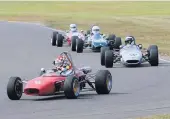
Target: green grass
[166,116]
[149,22]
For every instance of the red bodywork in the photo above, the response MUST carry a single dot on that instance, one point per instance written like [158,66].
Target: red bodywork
[46,85]
[69,35]
[50,83]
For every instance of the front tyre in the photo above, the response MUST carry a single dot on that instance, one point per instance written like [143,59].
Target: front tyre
[71,87]
[103,82]
[102,55]
[73,42]
[54,38]
[14,88]
[109,59]
[60,39]
[80,44]
[153,55]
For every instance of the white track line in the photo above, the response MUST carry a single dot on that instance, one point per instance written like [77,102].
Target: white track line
[42,25]
[168,61]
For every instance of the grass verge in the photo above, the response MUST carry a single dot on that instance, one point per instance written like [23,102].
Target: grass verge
[166,116]
[149,22]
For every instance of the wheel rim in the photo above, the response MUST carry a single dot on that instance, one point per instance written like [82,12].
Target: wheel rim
[76,88]
[18,88]
[109,82]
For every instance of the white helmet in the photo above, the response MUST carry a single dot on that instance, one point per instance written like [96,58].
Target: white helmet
[73,27]
[95,29]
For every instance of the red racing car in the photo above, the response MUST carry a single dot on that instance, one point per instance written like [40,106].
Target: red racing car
[71,35]
[53,81]
[58,39]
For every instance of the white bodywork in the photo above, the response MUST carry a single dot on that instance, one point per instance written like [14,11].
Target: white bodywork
[80,35]
[131,55]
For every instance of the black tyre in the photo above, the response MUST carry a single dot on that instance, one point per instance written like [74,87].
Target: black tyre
[102,55]
[71,87]
[111,40]
[117,43]
[153,55]
[60,39]
[112,37]
[103,82]
[54,38]
[109,59]
[14,88]
[80,44]
[73,42]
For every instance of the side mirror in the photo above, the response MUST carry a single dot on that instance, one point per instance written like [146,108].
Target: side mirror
[53,63]
[140,46]
[121,46]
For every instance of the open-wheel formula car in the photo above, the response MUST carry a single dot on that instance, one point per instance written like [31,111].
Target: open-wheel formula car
[129,55]
[95,42]
[59,39]
[52,81]
[74,35]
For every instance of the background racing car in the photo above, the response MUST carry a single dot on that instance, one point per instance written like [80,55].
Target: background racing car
[53,81]
[130,55]
[59,39]
[95,42]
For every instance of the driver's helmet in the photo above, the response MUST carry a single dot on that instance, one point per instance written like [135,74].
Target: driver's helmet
[129,40]
[95,30]
[62,64]
[73,27]
[82,31]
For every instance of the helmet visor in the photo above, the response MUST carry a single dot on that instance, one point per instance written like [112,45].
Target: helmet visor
[95,29]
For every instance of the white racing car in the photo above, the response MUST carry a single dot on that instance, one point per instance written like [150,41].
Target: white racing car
[129,55]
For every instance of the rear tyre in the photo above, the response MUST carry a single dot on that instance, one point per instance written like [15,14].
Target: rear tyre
[109,59]
[71,87]
[117,43]
[14,88]
[102,55]
[111,41]
[103,82]
[73,42]
[53,39]
[60,39]
[79,46]
[111,37]
[153,55]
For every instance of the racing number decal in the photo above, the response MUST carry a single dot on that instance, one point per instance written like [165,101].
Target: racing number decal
[37,82]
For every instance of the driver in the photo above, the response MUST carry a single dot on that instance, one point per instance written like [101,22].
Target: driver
[73,28]
[130,40]
[62,64]
[95,30]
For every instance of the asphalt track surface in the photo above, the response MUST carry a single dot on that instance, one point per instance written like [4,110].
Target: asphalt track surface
[25,48]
